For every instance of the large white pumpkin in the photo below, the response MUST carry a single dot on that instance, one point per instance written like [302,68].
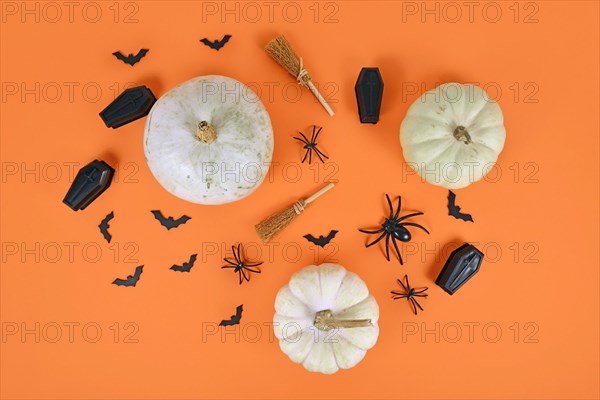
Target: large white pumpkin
[452,135]
[325,318]
[209,140]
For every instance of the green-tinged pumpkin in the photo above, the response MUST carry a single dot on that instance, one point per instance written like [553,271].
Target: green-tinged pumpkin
[209,140]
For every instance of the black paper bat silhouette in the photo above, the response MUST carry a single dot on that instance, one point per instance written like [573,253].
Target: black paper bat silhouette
[216,44]
[131,59]
[131,279]
[454,210]
[170,223]
[186,266]
[321,240]
[104,226]
[235,319]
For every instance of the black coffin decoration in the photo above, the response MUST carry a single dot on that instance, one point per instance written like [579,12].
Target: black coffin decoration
[90,182]
[133,103]
[369,92]
[462,264]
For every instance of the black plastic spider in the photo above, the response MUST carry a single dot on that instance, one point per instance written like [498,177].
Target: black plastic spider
[394,228]
[240,265]
[311,145]
[410,294]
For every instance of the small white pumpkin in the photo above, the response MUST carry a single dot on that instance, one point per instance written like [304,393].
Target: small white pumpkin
[209,140]
[452,135]
[325,318]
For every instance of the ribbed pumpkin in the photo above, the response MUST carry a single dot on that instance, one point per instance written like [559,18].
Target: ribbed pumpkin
[325,318]
[452,135]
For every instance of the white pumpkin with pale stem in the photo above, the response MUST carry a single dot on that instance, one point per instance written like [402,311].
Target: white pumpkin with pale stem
[452,135]
[325,318]
[209,140]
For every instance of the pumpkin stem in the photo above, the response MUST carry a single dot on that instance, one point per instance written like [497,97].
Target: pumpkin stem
[205,132]
[461,134]
[325,321]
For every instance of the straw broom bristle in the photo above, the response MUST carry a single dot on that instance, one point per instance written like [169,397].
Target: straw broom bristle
[281,51]
[271,226]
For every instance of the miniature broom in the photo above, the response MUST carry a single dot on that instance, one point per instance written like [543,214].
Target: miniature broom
[271,226]
[282,52]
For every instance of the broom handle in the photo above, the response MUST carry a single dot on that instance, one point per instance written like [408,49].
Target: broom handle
[320,98]
[318,194]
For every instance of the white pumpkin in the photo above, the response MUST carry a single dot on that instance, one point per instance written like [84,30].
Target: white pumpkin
[452,135]
[325,318]
[209,140]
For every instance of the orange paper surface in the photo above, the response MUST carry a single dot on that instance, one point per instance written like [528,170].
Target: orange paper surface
[525,327]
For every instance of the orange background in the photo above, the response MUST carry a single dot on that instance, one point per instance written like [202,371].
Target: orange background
[537,221]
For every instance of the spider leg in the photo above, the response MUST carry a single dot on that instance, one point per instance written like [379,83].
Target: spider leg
[301,140]
[398,297]
[310,156]
[305,155]
[253,265]
[371,232]
[406,281]
[377,240]
[229,262]
[387,247]
[402,284]
[305,138]
[399,206]
[408,216]
[239,252]
[418,305]
[390,205]
[397,250]
[420,291]
[251,269]
[412,305]
[321,153]
[228,266]
[235,255]
[315,136]
[312,137]
[415,225]
[242,273]
[318,153]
